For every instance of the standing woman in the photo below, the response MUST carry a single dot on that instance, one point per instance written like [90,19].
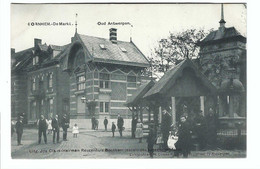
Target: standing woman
[183,144]
[139,131]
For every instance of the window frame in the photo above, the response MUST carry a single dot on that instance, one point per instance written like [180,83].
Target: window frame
[81,82]
[104,107]
[103,82]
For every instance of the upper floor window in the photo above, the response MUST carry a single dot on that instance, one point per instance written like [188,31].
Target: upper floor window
[104,80]
[131,80]
[35,60]
[81,82]
[50,79]
[33,84]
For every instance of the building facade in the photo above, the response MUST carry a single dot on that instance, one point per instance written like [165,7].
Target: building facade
[89,77]
[104,73]
[223,61]
[38,84]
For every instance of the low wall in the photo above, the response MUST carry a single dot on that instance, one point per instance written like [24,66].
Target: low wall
[86,123]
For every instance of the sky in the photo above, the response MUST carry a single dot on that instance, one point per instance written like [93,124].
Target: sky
[151,22]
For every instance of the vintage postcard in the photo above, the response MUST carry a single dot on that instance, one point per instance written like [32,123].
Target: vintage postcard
[124,80]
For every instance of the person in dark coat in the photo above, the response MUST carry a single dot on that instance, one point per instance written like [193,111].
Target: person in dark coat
[120,124]
[55,128]
[19,130]
[200,130]
[134,122]
[93,122]
[166,127]
[151,140]
[183,144]
[105,123]
[42,127]
[65,125]
[211,120]
[113,129]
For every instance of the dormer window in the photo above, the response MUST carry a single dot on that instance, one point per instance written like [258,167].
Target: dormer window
[102,46]
[123,49]
[35,60]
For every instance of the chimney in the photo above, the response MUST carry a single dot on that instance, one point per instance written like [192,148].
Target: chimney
[37,41]
[72,39]
[12,51]
[113,35]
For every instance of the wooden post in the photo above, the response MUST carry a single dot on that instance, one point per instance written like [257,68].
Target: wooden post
[173,111]
[202,107]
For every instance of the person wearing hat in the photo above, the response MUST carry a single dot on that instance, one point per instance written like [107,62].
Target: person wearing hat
[65,125]
[151,140]
[120,124]
[55,128]
[19,129]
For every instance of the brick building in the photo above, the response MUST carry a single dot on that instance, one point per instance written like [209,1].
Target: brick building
[91,76]
[38,84]
[104,73]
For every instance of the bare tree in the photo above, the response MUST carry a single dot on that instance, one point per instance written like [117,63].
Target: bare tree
[176,47]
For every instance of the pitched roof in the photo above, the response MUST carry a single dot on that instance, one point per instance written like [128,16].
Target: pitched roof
[171,75]
[137,97]
[217,35]
[21,58]
[56,47]
[103,50]
[43,47]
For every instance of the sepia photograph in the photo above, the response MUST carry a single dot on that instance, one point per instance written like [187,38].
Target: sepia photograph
[128,81]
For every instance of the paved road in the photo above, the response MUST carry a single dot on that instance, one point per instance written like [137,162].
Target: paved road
[97,144]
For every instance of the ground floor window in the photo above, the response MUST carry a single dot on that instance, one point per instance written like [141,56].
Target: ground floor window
[104,107]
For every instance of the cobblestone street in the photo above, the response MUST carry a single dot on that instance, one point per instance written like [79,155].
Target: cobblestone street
[97,144]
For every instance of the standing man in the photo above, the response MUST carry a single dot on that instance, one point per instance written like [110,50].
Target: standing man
[55,128]
[166,127]
[19,129]
[93,121]
[65,125]
[200,130]
[211,120]
[120,124]
[134,122]
[105,123]
[42,127]
[151,139]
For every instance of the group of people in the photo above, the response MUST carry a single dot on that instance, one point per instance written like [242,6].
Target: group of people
[52,125]
[120,126]
[203,128]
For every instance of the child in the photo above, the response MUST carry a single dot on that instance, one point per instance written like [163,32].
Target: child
[75,130]
[49,126]
[113,128]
